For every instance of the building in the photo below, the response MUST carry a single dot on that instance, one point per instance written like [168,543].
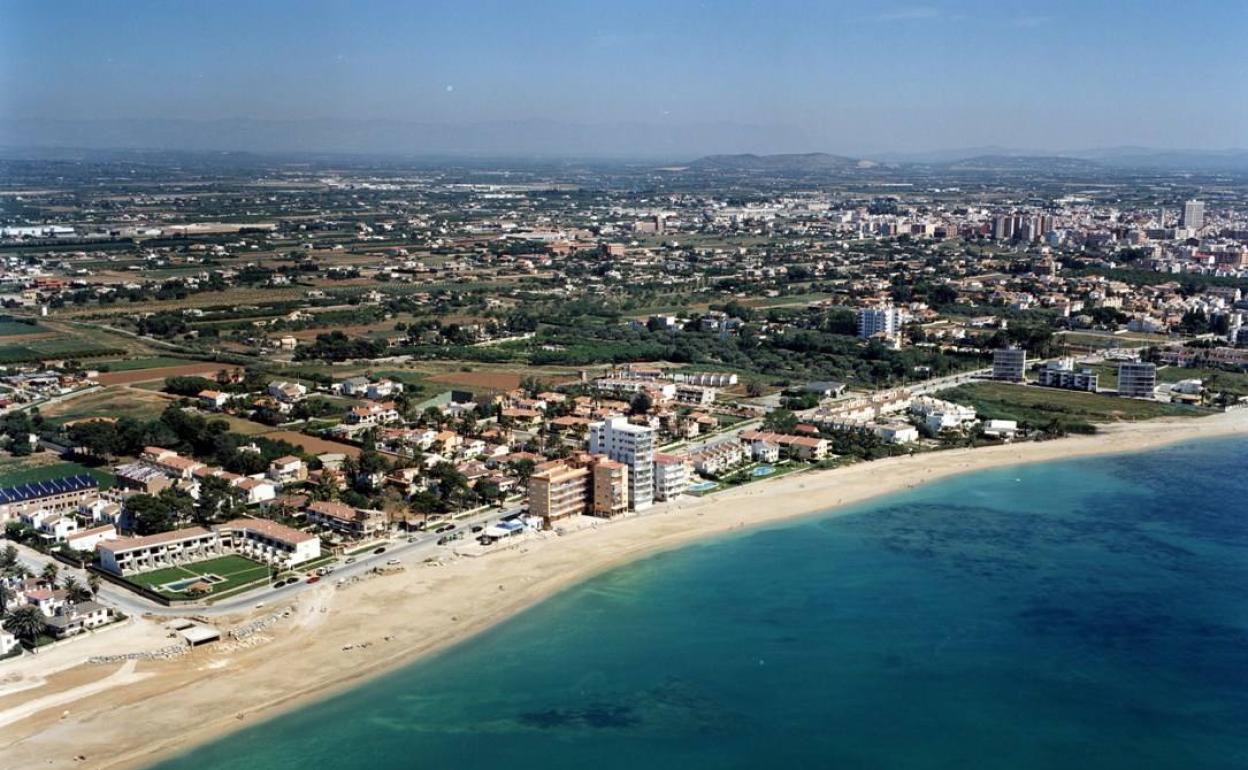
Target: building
[1062,374]
[880,321]
[356,522]
[269,542]
[73,619]
[632,445]
[1137,379]
[559,490]
[8,643]
[61,495]
[1193,215]
[287,470]
[127,555]
[671,476]
[1009,364]
[610,485]
[807,448]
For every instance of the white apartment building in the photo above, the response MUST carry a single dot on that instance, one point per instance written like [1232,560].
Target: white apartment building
[1137,379]
[886,321]
[671,477]
[632,445]
[1062,374]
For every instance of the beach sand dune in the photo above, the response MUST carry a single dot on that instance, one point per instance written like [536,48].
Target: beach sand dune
[376,625]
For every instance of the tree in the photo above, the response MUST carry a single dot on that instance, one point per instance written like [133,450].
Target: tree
[6,595]
[216,499]
[75,591]
[8,560]
[95,437]
[93,584]
[25,623]
[50,573]
[754,388]
[641,403]
[780,421]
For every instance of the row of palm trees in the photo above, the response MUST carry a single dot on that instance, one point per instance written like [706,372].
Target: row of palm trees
[27,621]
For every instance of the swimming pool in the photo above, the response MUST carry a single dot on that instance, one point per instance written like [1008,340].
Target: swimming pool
[763,470]
[703,486]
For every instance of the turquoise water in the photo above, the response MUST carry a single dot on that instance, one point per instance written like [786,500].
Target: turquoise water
[1088,614]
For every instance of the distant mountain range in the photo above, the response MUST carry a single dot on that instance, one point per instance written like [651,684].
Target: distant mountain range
[809,162]
[551,139]
[985,159]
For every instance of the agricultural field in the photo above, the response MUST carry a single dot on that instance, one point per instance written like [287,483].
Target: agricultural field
[1036,407]
[20,329]
[225,574]
[110,401]
[126,377]
[136,364]
[313,444]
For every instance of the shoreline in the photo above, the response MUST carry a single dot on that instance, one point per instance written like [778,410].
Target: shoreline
[427,609]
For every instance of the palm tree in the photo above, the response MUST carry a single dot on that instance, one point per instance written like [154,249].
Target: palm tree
[93,584]
[50,572]
[25,623]
[76,591]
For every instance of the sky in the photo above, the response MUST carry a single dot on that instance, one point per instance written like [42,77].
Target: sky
[838,76]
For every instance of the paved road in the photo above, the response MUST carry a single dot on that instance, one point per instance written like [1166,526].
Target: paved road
[423,545]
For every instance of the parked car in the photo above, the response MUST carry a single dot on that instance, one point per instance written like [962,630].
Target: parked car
[379,549]
[350,560]
[394,561]
[314,579]
[478,528]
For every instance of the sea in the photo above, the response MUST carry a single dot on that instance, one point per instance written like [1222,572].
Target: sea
[1090,613]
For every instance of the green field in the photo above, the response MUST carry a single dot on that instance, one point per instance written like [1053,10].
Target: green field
[18,329]
[135,364]
[55,347]
[238,572]
[1036,407]
[15,473]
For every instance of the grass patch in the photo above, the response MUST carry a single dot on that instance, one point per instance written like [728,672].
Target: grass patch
[1073,411]
[20,328]
[238,572]
[135,364]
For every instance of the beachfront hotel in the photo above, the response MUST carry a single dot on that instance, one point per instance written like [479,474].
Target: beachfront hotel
[1137,379]
[581,485]
[259,539]
[632,445]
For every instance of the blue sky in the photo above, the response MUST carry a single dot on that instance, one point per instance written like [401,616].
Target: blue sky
[845,76]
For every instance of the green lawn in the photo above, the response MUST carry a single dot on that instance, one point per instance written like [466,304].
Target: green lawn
[17,328]
[17,473]
[1036,407]
[238,572]
[152,362]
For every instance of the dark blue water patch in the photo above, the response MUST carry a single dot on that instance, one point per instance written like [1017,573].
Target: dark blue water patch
[1068,615]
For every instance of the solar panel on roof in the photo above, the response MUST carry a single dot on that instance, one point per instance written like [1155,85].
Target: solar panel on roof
[36,489]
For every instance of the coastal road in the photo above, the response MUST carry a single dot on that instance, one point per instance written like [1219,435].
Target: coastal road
[423,545]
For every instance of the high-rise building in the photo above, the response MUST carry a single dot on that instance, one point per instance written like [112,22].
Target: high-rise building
[610,488]
[1193,215]
[558,490]
[1009,364]
[886,320]
[632,445]
[1137,379]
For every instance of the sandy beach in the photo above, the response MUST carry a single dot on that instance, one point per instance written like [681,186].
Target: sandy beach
[55,713]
